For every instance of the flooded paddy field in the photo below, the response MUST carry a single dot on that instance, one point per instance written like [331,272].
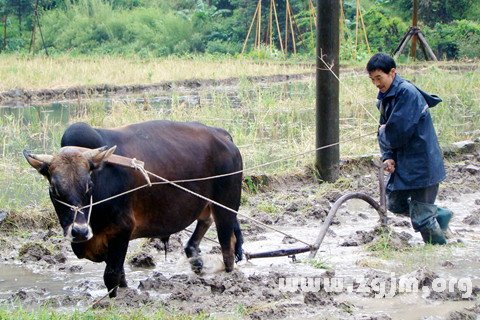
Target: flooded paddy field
[360,271]
[38,267]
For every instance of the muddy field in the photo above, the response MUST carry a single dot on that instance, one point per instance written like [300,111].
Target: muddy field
[38,267]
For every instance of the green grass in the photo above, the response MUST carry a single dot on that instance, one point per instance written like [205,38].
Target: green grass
[269,208]
[109,314]
[409,258]
[318,263]
[427,255]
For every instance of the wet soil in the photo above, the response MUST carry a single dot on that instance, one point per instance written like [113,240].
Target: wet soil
[21,97]
[38,267]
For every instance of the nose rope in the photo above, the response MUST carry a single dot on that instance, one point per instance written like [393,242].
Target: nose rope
[90,210]
[76,209]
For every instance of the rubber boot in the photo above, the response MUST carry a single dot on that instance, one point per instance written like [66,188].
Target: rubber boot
[444,216]
[397,204]
[424,220]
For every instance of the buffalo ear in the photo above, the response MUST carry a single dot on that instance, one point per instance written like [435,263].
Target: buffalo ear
[97,159]
[39,162]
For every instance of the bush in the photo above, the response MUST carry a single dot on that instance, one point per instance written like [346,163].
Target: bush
[144,31]
[459,39]
[384,32]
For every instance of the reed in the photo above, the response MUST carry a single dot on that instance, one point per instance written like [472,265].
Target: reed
[273,124]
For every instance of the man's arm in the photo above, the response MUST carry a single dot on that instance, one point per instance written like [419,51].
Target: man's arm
[402,120]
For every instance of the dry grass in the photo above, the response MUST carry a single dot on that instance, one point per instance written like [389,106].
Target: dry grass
[61,72]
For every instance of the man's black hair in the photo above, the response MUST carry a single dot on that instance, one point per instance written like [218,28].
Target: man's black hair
[381,61]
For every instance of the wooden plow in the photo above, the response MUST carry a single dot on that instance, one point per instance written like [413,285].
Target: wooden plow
[313,249]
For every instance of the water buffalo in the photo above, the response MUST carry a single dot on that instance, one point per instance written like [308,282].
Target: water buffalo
[172,150]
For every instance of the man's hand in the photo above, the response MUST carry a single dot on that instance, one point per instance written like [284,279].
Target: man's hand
[389,165]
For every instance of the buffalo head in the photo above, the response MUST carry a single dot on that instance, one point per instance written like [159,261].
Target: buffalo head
[69,174]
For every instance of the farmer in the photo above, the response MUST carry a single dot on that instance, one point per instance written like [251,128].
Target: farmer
[410,150]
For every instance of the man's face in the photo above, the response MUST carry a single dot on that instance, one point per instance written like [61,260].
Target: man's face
[382,80]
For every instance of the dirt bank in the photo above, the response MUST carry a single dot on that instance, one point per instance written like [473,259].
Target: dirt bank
[21,97]
[38,267]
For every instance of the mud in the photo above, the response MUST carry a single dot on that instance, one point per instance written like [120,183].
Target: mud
[39,269]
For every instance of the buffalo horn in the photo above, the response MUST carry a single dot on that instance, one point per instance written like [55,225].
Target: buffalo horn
[90,154]
[46,158]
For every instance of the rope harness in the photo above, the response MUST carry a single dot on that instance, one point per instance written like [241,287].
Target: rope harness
[77,209]
[139,165]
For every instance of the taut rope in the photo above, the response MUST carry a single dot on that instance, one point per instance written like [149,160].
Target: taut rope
[138,165]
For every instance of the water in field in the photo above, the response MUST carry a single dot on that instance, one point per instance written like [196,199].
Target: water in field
[82,280]
[220,106]
[267,121]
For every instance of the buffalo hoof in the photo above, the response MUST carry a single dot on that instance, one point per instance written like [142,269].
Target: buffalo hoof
[196,264]
[112,293]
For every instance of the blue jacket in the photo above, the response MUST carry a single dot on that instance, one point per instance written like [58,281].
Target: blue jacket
[409,137]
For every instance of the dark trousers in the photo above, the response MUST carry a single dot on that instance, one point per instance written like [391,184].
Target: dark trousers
[397,201]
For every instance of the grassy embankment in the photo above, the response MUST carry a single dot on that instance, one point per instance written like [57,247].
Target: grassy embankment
[267,123]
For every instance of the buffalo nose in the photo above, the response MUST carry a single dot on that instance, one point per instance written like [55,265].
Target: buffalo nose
[79,232]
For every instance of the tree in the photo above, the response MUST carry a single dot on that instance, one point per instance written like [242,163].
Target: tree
[435,11]
[22,8]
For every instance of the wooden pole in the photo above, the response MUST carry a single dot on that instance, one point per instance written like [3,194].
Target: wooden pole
[357,5]
[250,29]
[278,27]
[327,90]
[429,51]
[403,43]
[413,49]
[32,40]
[270,25]
[40,29]
[290,15]
[342,20]
[286,26]
[414,33]
[313,14]
[363,27]
[4,32]
[259,25]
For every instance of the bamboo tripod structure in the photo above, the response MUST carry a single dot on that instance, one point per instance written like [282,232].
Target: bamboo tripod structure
[290,26]
[359,18]
[36,22]
[413,34]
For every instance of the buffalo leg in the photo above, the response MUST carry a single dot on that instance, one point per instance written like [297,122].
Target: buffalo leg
[228,192]
[114,275]
[226,238]
[192,249]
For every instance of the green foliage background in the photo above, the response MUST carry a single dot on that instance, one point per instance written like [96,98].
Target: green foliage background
[156,28]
